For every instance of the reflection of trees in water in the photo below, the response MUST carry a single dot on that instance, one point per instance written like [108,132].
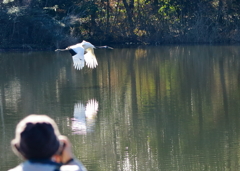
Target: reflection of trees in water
[29,78]
[2,124]
[177,95]
[38,78]
[163,110]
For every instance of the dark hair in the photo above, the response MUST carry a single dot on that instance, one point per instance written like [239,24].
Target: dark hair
[36,137]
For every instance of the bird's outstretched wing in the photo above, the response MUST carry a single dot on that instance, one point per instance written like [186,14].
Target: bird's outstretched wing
[77,52]
[90,58]
[78,61]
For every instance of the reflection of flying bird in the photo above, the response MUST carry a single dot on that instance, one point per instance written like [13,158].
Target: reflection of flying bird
[83,51]
[84,117]
[91,109]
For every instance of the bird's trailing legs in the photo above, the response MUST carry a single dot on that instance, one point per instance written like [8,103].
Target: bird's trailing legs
[61,50]
[103,47]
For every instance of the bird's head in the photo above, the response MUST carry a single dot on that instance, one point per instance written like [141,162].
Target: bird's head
[87,45]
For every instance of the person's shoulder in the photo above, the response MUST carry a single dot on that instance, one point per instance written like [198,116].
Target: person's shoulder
[70,167]
[17,168]
[73,165]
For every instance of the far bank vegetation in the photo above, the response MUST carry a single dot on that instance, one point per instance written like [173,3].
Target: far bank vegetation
[48,24]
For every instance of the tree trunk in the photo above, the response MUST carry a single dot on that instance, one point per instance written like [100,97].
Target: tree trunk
[129,8]
[220,12]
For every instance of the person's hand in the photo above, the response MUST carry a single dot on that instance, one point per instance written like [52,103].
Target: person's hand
[65,153]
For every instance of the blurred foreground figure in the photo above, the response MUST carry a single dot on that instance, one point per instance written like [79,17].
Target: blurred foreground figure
[39,142]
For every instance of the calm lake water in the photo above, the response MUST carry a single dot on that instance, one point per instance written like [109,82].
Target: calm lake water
[157,108]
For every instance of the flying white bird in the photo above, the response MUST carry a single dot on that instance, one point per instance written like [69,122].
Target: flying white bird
[83,51]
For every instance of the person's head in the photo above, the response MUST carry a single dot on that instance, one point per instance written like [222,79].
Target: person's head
[36,137]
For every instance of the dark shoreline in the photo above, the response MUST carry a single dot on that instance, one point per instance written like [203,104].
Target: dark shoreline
[20,48]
